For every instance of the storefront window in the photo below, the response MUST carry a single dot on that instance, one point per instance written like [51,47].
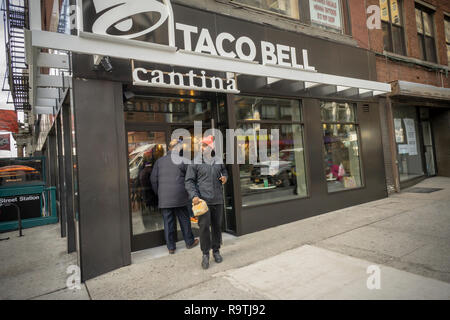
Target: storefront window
[167,110]
[274,178]
[408,148]
[341,146]
[284,7]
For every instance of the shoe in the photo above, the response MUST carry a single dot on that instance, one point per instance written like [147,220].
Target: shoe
[217,257]
[194,244]
[172,251]
[205,261]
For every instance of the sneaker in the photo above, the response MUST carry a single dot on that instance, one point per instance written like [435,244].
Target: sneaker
[205,261]
[217,257]
[172,251]
[194,244]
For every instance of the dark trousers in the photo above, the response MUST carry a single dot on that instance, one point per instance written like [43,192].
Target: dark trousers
[211,239]
[170,231]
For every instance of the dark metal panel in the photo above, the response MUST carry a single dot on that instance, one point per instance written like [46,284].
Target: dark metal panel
[372,149]
[61,180]
[235,175]
[103,199]
[440,124]
[67,129]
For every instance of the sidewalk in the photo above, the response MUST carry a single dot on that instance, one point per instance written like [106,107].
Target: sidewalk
[407,236]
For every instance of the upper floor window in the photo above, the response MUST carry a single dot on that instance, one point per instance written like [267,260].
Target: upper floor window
[393,34]
[447,37]
[325,14]
[425,33]
[285,7]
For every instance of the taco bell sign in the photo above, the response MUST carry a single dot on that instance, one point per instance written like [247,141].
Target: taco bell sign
[159,22]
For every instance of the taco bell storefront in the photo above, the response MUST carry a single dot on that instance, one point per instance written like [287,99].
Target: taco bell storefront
[226,73]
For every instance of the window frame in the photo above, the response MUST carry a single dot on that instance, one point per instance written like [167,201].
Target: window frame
[421,37]
[447,41]
[390,25]
[358,132]
[300,123]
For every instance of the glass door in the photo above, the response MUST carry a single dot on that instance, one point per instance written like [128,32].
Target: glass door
[428,146]
[144,148]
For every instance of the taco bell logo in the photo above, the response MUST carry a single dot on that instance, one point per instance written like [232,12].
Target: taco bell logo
[118,17]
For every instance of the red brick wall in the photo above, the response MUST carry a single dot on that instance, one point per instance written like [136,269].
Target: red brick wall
[388,70]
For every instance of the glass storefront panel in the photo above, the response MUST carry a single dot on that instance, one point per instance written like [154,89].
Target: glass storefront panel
[269,181]
[167,110]
[337,112]
[144,148]
[342,161]
[406,127]
[342,157]
[258,108]
[278,177]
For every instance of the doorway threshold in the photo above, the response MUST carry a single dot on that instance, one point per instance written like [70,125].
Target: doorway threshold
[161,251]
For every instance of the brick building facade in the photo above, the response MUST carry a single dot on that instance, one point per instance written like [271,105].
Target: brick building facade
[407,66]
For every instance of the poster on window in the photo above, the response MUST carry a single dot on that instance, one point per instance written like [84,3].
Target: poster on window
[403,149]
[384,10]
[399,137]
[411,136]
[326,12]
[395,12]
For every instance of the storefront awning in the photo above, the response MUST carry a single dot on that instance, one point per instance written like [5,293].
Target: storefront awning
[94,44]
[405,88]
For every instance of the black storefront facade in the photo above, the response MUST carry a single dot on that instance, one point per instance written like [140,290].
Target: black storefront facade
[330,147]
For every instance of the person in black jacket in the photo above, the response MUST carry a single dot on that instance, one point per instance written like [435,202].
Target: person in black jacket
[167,180]
[204,181]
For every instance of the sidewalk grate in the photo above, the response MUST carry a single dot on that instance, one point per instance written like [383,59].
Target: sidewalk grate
[422,190]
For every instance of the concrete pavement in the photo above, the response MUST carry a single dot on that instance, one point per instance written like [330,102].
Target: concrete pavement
[405,236]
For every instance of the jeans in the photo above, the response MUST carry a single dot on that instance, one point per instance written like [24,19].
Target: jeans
[170,231]
[211,239]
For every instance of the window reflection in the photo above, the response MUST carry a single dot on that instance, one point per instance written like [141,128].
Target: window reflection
[144,148]
[167,110]
[341,147]
[279,177]
[258,108]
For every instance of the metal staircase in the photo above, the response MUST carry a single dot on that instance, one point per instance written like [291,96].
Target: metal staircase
[15,18]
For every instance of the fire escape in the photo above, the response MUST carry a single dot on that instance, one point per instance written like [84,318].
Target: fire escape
[16,81]
[15,18]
